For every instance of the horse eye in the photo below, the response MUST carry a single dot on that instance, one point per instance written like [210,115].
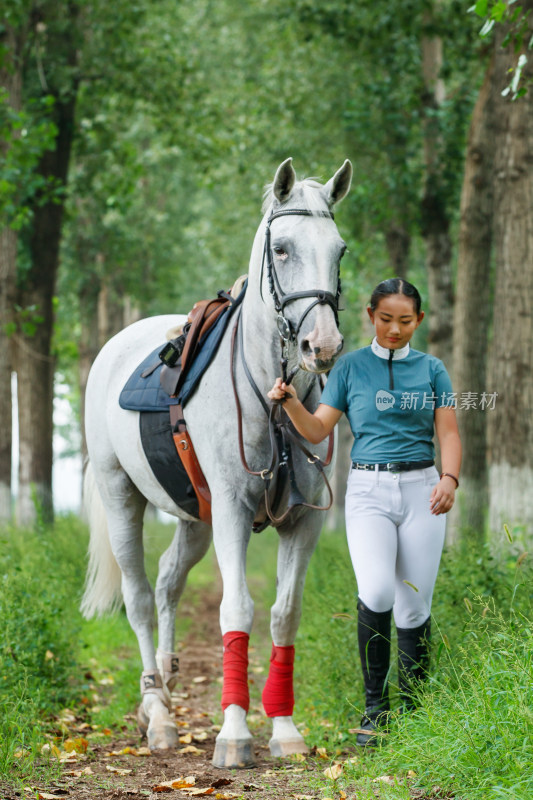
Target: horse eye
[279,251]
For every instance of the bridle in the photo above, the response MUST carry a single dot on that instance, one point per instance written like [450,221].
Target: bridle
[287,330]
[282,436]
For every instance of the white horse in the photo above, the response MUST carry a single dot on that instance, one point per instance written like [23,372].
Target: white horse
[293,285]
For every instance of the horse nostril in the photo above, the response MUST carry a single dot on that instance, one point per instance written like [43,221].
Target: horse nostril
[341,345]
[306,348]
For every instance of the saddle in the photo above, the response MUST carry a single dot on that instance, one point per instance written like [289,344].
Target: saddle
[178,356]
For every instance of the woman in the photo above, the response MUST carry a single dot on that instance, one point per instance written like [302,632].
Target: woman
[395,398]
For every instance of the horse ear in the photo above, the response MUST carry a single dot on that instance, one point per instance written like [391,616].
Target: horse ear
[284,181]
[339,186]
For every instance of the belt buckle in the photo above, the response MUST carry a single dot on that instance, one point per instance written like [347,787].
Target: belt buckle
[393,466]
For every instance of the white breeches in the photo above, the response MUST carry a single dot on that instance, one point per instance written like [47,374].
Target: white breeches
[395,542]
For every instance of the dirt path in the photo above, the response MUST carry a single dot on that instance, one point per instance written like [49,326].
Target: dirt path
[120,767]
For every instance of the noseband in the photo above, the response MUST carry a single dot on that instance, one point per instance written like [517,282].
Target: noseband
[286,329]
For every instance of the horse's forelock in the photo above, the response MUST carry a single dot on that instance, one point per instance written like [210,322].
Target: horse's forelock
[308,189]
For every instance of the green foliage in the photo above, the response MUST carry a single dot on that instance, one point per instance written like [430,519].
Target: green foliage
[25,136]
[40,584]
[471,734]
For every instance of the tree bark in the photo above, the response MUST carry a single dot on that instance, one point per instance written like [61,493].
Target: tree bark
[398,243]
[510,424]
[435,221]
[472,313]
[11,81]
[35,362]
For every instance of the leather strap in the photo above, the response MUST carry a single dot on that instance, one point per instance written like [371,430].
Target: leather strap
[186,452]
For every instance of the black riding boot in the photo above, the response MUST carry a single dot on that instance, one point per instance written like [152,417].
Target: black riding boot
[413,660]
[373,629]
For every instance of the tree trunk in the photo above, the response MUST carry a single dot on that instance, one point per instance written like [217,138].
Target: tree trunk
[35,364]
[103,315]
[472,315]
[435,222]
[11,81]
[510,424]
[398,243]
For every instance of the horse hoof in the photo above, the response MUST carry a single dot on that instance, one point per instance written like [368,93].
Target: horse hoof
[164,737]
[236,754]
[281,748]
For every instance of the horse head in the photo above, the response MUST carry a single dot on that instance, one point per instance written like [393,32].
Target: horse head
[300,266]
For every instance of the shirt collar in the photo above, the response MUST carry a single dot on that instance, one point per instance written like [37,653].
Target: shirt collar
[384,352]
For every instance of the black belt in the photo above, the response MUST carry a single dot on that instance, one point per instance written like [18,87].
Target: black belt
[394,466]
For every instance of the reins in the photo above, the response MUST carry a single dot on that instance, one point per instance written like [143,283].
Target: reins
[281,438]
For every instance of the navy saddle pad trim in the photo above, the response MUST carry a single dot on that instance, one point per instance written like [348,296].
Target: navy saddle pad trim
[146,394]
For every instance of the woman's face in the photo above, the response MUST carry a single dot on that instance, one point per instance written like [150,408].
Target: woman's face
[395,320]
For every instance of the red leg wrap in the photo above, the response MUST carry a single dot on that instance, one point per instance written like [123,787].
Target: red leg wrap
[278,694]
[235,669]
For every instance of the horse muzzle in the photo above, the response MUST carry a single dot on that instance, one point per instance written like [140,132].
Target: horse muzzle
[318,353]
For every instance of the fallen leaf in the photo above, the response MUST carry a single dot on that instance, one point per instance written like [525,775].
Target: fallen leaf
[79,745]
[226,782]
[50,748]
[198,792]
[322,752]
[77,773]
[179,783]
[46,795]
[201,736]
[180,711]
[304,796]
[107,681]
[199,679]
[49,656]
[333,772]
[186,738]
[118,770]
[226,796]
[65,756]
[162,788]
[252,787]
[388,779]
[192,750]
[144,751]
[66,715]
[411,774]
[297,757]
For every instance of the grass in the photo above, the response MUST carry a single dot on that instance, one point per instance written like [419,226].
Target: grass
[471,735]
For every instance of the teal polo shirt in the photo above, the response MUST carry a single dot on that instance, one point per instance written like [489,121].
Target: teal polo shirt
[391,419]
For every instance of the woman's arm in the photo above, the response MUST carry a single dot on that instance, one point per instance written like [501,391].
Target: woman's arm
[313,427]
[443,495]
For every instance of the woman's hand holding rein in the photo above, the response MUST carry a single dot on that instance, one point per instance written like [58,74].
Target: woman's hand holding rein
[313,427]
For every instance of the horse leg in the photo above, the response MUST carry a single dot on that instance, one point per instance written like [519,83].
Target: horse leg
[190,543]
[125,507]
[234,746]
[296,545]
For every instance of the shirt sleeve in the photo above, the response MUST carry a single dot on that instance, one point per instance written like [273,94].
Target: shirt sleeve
[442,387]
[335,392]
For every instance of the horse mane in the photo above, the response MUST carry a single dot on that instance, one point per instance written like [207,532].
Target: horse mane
[306,188]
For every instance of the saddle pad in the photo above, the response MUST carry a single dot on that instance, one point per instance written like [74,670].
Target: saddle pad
[146,394]
[160,450]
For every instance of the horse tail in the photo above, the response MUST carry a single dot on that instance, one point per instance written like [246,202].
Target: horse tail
[102,584]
